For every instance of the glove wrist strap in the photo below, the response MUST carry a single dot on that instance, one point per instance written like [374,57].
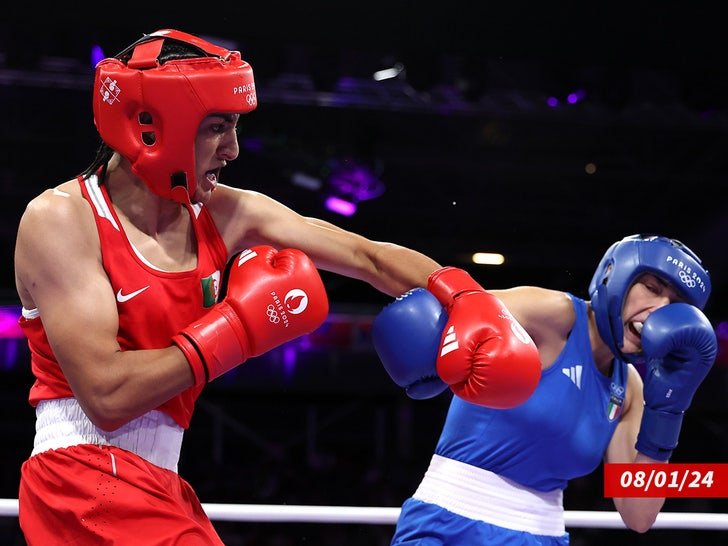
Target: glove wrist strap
[199,370]
[219,340]
[659,433]
[448,283]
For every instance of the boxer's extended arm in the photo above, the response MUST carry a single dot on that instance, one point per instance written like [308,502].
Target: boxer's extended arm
[59,271]
[248,218]
[389,267]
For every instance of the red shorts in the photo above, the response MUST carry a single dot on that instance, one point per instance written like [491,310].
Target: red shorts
[91,494]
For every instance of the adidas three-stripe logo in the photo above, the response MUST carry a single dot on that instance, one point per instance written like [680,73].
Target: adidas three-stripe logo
[449,342]
[246,255]
[574,373]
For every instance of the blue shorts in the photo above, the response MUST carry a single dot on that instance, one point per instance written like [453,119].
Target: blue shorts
[424,524]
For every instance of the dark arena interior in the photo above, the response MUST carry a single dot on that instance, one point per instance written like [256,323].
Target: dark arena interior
[541,132]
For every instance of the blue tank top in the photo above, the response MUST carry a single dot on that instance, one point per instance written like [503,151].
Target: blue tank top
[561,432]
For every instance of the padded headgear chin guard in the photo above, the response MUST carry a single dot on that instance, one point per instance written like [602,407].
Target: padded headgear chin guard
[150,112]
[626,260]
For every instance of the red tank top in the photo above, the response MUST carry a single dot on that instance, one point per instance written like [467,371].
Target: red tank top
[153,305]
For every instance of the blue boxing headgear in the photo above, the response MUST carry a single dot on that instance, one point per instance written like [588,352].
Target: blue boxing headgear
[626,260]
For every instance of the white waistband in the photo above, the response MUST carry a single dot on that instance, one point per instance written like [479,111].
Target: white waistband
[482,495]
[154,436]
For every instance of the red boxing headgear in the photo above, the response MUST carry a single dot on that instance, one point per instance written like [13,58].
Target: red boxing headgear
[150,112]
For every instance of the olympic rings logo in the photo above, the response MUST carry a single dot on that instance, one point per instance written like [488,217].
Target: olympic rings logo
[250,99]
[616,389]
[272,314]
[686,279]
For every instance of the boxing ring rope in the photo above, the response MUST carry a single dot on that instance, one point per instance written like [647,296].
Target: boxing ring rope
[265,513]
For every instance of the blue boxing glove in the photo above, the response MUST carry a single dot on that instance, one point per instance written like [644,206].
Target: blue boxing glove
[406,336]
[680,346]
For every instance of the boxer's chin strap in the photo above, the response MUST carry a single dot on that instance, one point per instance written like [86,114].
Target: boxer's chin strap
[179,188]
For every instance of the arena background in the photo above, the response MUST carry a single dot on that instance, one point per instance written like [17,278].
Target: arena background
[541,132]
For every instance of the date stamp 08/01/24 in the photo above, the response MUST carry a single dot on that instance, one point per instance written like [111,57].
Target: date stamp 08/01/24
[665,480]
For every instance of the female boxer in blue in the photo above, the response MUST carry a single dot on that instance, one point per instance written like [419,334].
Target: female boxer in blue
[499,470]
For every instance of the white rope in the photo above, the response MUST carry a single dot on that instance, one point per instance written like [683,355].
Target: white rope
[302,514]
[388,516]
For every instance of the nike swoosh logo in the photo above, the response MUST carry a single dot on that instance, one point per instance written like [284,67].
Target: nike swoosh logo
[121,298]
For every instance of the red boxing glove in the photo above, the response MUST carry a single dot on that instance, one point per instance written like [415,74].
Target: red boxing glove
[485,355]
[272,297]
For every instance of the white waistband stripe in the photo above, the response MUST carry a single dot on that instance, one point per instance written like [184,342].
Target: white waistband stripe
[482,495]
[154,436]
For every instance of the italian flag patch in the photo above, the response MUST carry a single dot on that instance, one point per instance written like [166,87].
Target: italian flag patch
[614,408]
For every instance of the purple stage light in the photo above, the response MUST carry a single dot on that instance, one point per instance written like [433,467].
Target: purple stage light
[9,327]
[576,96]
[11,337]
[340,206]
[290,355]
[350,183]
[356,181]
[97,55]
[722,330]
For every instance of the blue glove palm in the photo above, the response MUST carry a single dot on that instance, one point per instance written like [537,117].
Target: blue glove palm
[680,345]
[406,336]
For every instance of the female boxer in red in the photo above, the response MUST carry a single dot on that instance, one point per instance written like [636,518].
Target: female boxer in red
[119,274]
